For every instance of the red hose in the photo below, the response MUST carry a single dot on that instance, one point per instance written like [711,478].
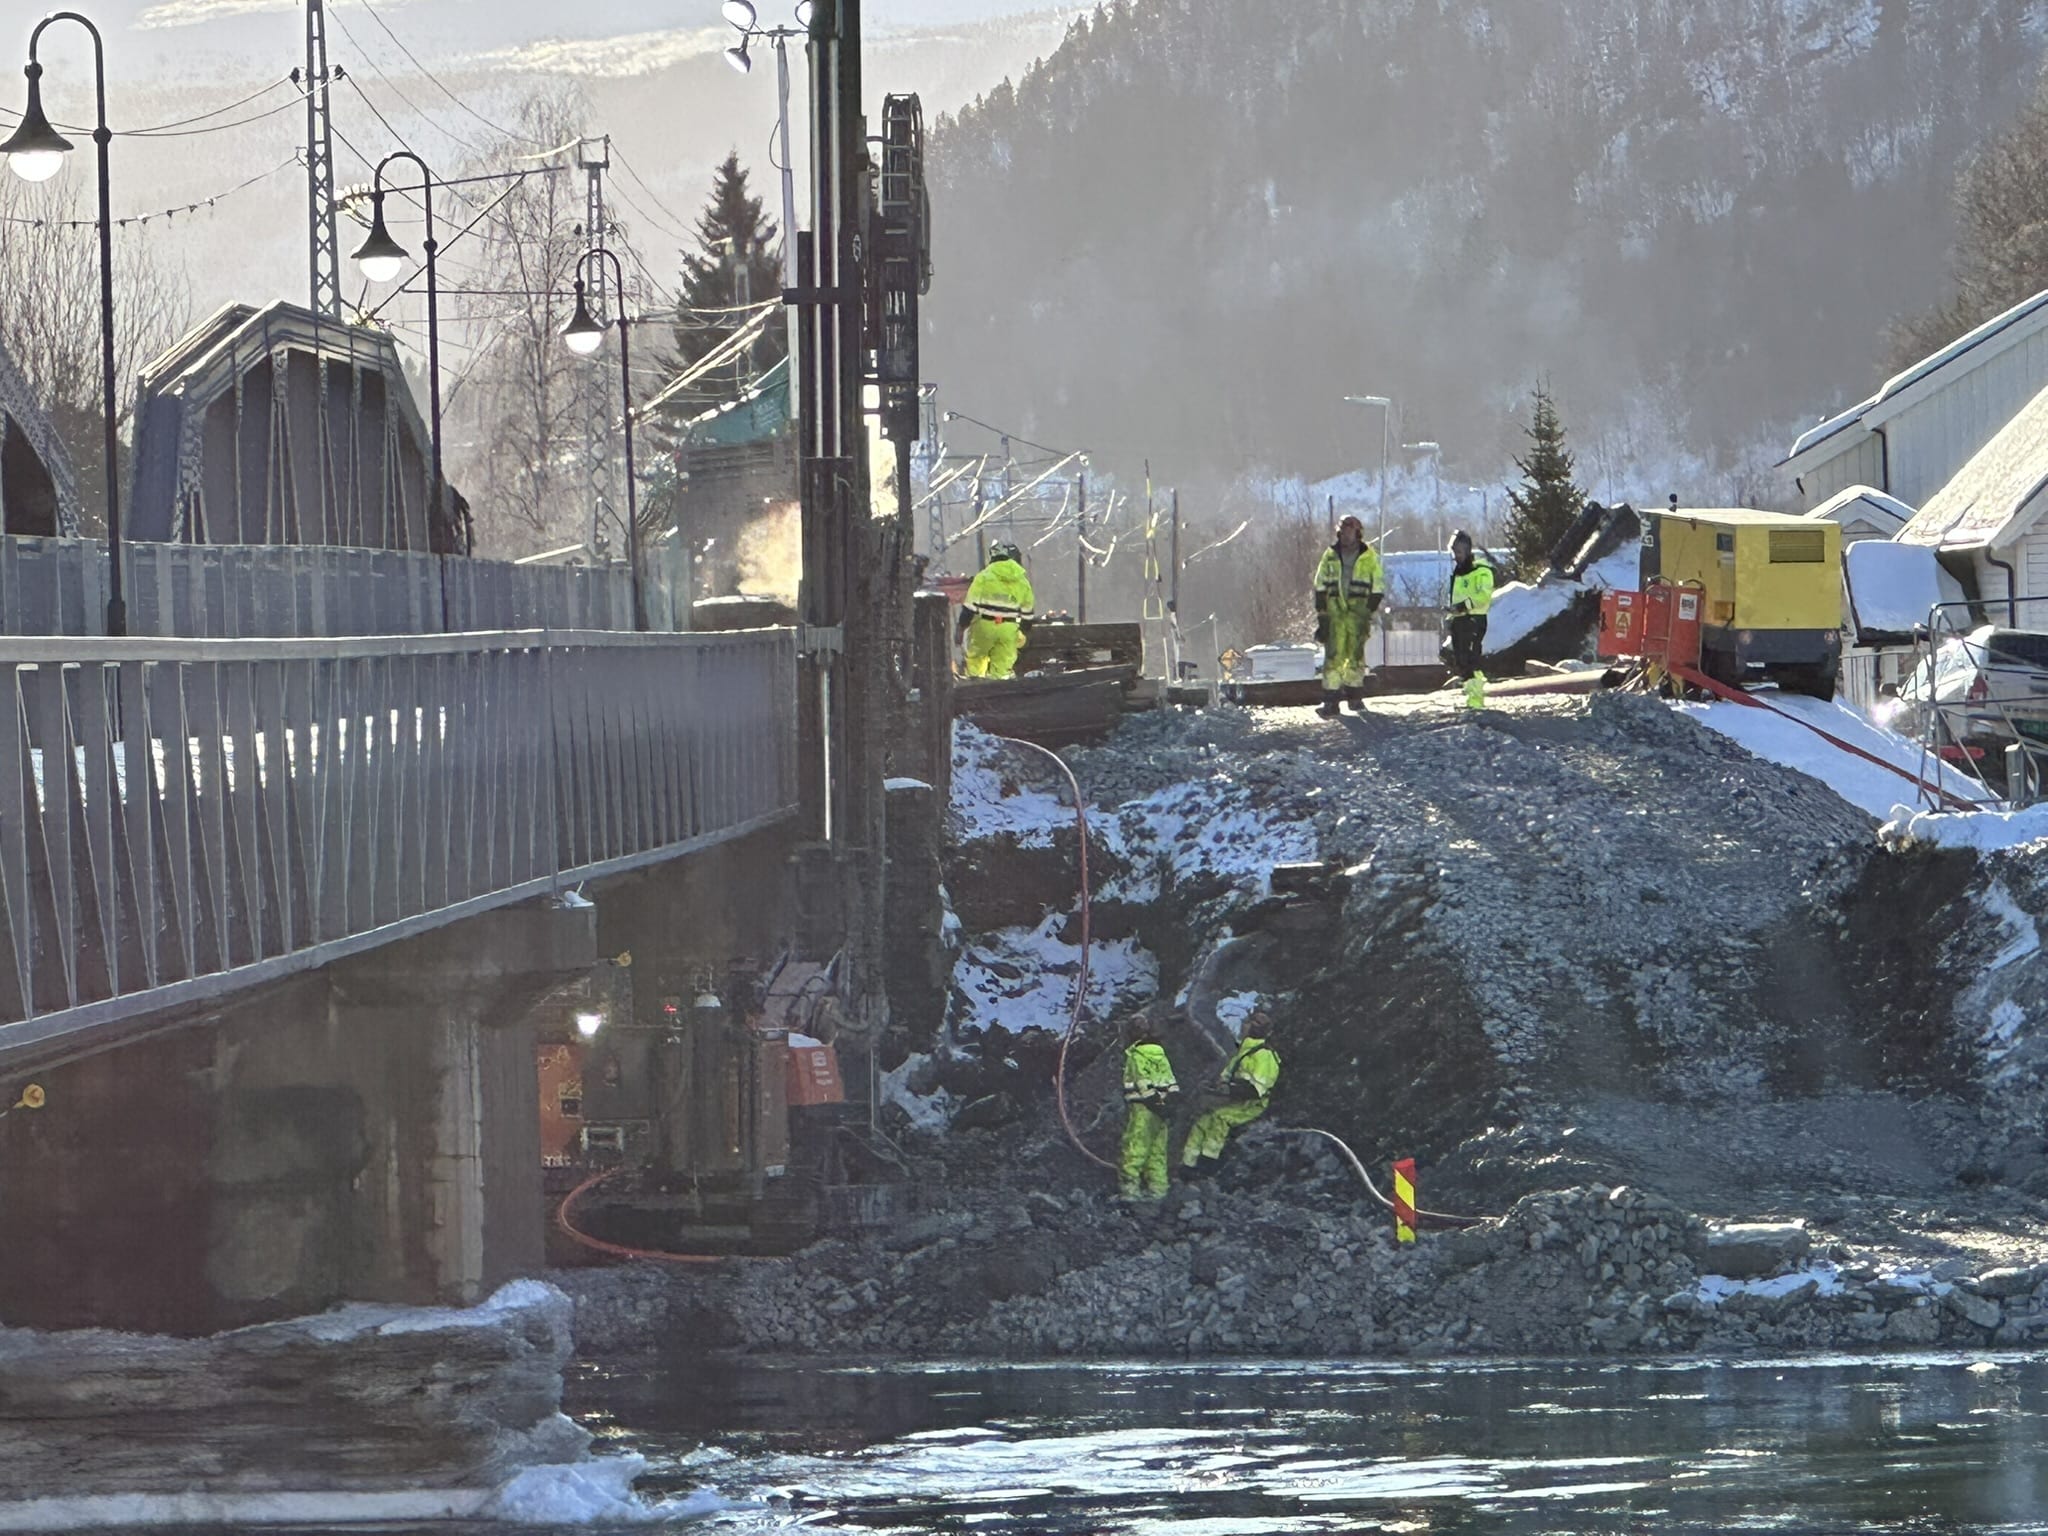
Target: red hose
[1737,696]
[1059,1078]
[575,1234]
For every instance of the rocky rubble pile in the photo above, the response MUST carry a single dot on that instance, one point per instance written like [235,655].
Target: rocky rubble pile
[1309,1268]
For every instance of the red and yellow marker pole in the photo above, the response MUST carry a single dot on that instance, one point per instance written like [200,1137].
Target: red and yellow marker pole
[1404,1200]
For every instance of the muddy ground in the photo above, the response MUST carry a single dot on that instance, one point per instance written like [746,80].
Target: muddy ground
[1615,983]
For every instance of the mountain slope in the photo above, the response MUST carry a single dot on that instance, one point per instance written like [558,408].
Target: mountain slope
[1195,226]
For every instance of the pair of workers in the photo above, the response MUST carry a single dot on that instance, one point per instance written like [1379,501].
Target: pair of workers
[1350,586]
[1242,1092]
[997,614]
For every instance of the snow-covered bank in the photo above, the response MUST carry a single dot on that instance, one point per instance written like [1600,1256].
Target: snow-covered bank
[1886,789]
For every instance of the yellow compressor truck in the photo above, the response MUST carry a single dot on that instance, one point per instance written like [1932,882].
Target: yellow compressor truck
[1771,589]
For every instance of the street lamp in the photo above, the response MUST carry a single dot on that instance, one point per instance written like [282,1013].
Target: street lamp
[741,14]
[35,151]
[1386,444]
[1436,486]
[583,336]
[380,259]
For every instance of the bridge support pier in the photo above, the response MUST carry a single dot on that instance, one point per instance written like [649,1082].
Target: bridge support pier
[369,1133]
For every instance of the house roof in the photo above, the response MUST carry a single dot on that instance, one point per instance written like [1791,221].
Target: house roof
[1982,506]
[1992,336]
[1887,512]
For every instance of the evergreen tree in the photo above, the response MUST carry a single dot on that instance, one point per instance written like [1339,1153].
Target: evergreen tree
[738,262]
[1549,499]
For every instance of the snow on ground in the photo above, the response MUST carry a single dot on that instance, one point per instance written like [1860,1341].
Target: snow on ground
[1235,1010]
[1519,609]
[988,804]
[1195,833]
[1869,786]
[1985,831]
[931,1112]
[1021,979]
[1826,1278]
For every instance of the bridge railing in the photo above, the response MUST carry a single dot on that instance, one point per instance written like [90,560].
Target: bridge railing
[246,591]
[180,818]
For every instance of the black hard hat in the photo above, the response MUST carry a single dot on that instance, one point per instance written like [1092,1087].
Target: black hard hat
[1460,534]
[1003,549]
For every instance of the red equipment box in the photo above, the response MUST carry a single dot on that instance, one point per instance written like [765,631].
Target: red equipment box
[814,1076]
[1621,625]
[1661,624]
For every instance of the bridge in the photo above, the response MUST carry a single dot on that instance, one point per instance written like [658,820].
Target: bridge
[182,818]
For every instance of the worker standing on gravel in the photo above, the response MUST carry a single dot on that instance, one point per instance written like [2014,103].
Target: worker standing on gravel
[1350,582]
[998,610]
[1149,1091]
[1243,1091]
[1471,595]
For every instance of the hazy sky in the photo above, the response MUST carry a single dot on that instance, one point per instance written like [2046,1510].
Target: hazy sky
[229,37]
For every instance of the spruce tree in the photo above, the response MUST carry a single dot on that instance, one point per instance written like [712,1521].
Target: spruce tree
[738,262]
[1549,499]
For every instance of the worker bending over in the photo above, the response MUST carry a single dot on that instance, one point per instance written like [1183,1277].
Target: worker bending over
[1470,596]
[997,612]
[1149,1090]
[1244,1088]
[1350,583]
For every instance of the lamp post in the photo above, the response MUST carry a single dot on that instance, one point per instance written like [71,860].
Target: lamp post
[1386,406]
[1435,451]
[583,336]
[742,15]
[35,152]
[380,257]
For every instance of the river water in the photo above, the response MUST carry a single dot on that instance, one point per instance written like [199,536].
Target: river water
[1922,1445]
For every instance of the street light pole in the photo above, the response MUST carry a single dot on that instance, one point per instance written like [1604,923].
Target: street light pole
[583,337]
[36,151]
[1386,406]
[380,258]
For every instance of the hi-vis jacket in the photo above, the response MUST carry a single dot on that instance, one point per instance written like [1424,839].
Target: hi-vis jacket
[1365,577]
[1254,1062]
[1001,593]
[1472,591]
[1148,1075]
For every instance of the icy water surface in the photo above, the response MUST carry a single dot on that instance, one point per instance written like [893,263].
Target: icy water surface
[1917,1445]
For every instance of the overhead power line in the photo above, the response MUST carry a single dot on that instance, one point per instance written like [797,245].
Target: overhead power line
[168,130]
[524,138]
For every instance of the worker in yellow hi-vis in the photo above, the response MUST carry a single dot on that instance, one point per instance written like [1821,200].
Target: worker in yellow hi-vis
[1243,1091]
[1471,595]
[1350,583]
[1149,1091]
[998,610]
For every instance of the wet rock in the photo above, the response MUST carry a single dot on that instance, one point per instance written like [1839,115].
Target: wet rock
[2003,1284]
[1912,1325]
[1977,1311]
[1751,1250]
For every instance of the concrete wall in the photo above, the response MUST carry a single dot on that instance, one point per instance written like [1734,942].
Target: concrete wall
[367,1133]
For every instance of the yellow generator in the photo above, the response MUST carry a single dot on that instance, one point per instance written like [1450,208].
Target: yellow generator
[1771,592]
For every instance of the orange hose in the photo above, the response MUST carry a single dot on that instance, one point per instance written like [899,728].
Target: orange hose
[1059,1078]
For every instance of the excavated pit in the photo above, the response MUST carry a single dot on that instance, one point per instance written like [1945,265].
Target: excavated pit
[1601,971]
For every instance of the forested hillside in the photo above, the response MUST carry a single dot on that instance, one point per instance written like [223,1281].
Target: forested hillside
[1196,225]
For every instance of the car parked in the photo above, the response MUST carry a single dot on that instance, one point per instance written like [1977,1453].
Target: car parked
[1977,694]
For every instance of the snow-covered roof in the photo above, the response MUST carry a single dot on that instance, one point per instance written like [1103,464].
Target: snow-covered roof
[1892,587]
[1984,505]
[1992,336]
[1861,502]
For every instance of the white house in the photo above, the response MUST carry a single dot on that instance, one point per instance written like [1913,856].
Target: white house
[1986,525]
[1911,437]
[1864,514]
